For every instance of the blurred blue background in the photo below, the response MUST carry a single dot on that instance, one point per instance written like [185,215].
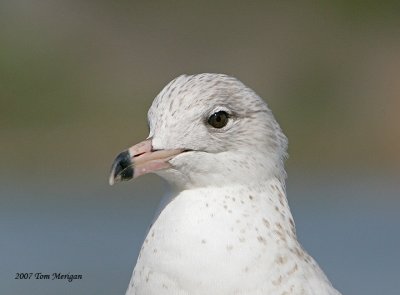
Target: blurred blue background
[77,78]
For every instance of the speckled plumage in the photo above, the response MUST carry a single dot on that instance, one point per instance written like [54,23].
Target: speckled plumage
[227,228]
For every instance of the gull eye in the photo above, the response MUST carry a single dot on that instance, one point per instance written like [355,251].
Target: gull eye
[218,119]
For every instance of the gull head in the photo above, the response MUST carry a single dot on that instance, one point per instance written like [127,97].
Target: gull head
[206,130]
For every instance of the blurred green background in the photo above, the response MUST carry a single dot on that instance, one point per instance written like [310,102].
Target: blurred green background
[77,78]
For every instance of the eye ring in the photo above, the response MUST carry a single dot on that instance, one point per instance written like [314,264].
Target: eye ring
[218,119]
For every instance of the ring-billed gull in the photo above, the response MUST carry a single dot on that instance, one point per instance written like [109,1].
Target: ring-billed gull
[228,228]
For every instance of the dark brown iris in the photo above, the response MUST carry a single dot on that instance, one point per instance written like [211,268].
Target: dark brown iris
[218,119]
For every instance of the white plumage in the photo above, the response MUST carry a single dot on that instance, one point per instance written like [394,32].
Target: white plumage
[228,228]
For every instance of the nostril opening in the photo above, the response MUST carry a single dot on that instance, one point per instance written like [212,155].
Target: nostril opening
[137,155]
